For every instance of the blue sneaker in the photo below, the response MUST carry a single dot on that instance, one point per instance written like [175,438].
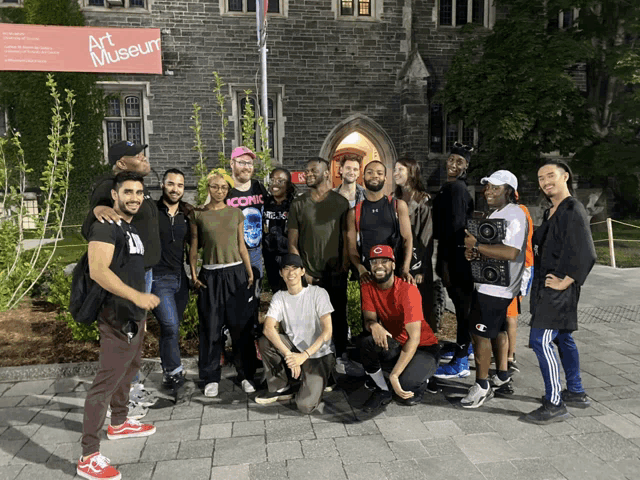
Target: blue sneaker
[456,368]
[470,355]
[451,350]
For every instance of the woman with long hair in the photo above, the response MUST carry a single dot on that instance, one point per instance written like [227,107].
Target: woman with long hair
[223,284]
[275,243]
[452,207]
[409,188]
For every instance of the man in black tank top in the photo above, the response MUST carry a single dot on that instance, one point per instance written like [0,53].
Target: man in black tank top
[379,220]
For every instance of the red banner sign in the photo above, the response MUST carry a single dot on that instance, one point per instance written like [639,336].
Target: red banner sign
[80,49]
[298,178]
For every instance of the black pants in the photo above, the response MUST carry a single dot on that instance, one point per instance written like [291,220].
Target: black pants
[416,374]
[272,268]
[461,294]
[336,286]
[224,303]
[426,292]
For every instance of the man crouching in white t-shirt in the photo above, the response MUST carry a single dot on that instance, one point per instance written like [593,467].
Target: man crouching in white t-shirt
[303,314]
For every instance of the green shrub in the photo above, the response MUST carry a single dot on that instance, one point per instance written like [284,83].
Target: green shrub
[354,317]
[189,323]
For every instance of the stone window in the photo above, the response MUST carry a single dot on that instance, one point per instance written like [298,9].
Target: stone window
[249,6]
[456,13]
[127,111]
[358,9]
[275,118]
[11,3]
[444,133]
[564,19]
[116,4]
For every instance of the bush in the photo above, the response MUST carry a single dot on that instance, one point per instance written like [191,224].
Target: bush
[354,316]
[189,323]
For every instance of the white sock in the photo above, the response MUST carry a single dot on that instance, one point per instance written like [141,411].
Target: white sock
[378,377]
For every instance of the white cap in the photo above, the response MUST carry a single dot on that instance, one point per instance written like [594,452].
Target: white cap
[501,177]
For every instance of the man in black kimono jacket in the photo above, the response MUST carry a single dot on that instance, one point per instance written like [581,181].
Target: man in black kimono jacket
[563,257]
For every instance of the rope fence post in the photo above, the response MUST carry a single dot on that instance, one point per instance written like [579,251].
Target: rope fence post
[612,253]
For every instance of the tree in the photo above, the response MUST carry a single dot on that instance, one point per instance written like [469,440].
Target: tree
[533,86]
[29,106]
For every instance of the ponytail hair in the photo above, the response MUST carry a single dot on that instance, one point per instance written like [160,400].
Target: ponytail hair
[563,166]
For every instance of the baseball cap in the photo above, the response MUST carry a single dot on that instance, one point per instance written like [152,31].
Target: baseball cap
[238,151]
[291,259]
[381,251]
[501,177]
[124,149]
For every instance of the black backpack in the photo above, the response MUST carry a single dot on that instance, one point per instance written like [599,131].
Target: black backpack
[87,297]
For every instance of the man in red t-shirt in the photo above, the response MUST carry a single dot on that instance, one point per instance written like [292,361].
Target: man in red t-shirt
[401,341]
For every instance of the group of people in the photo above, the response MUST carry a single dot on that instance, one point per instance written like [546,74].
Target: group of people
[307,245]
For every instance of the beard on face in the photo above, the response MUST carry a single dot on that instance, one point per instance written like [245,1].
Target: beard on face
[383,279]
[123,208]
[168,199]
[374,188]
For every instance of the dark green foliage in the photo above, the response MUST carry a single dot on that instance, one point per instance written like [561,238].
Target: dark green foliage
[29,105]
[354,316]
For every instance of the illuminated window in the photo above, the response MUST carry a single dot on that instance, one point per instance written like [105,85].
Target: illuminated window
[116,4]
[357,9]
[249,6]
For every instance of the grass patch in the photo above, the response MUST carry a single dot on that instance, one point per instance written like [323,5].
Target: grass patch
[627,252]
[69,249]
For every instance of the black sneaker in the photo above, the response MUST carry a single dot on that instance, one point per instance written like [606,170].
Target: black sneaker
[577,400]
[501,387]
[547,413]
[377,400]
[267,397]
[411,401]
[432,386]
[176,385]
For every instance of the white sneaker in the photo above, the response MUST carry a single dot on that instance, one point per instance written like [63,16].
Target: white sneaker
[247,386]
[136,412]
[476,396]
[211,389]
[141,396]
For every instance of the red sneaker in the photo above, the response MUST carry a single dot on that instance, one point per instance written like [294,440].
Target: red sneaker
[96,467]
[130,429]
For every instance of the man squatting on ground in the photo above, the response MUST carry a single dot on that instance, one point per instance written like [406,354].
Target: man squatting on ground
[305,346]
[121,325]
[564,255]
[129,157]
[401,341]
[488,318]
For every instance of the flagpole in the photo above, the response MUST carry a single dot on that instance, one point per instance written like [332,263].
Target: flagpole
[261,18]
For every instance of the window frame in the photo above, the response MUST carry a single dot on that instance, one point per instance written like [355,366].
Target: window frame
[375,11]
[122,89]
[5,4]
[126,7]
[276,93]
[488,20]
[224,9]
[445,124]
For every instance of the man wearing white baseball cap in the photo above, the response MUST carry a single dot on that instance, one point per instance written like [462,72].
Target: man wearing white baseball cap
[488,319]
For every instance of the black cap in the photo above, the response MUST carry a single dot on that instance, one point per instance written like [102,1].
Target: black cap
[124,149]
[291,259]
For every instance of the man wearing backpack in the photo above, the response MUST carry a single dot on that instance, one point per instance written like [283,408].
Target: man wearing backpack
[121,325]
[379,220]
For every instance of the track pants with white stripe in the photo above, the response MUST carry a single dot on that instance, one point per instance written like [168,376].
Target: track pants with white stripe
[542,340]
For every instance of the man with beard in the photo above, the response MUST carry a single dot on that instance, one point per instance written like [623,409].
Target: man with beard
[126,156]
[121,325]
[249,195]
[382,221]
[401,342]
[349,188]
[170,282]
[316,233]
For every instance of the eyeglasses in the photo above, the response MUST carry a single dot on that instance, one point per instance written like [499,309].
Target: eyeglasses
[216,188]
[244,164]
[278,181]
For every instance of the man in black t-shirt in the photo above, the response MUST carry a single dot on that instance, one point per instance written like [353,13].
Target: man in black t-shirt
[249,195]
[121,325]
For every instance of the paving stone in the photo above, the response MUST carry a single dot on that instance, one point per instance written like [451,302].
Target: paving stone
[620,425]
[453,467]
[408,449]
[67,401]
[4,386]
[584,468]
[559,428]
[175,431]
[29,472]
[289,429]
[195,449]
[601,394]
[268,471]
[365,448]
[316,468]
[35,400]
[365,471]
[46,416]
[230,451]
[6,402]
[443,428]
[632,418]
[367,427]
[193,469]
[10,472]
[323,448]
[441,447]
[19,432]
[547,447]
[34,387]
[631,368]
[230,472]
[279,451]
[245,429]
[587,424]
[139,471]
[60,432]
[224,414]
[488,447]
[630,467]
[156,414]
[599,369]
[402,428]
[9,448]
[16,416]
[123,451]
[32,452]
[329,430]
[511,428]
[617,380]
[215,430]
[608,446]
[266,412]
[183,412]
[624,392]
[156,452]
[474,425]
[613,357]
[63,385]
[403,469]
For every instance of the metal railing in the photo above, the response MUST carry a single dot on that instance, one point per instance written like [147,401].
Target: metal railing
[610,239]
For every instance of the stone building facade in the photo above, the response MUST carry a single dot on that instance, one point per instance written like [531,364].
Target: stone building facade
[334,67]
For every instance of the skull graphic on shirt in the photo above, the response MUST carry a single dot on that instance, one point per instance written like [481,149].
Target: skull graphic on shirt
[252,227]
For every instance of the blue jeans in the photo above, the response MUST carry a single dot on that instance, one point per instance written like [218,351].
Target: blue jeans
[541,340]
[168,312]
[148,280]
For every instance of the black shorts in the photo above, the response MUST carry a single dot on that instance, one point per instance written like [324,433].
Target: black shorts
[488,315]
